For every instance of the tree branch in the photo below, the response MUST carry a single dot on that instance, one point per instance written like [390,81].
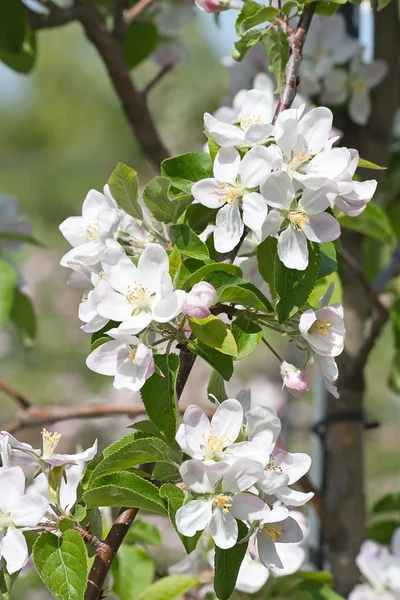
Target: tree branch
[14,395]
[56,16]
[136,10]
[296,43]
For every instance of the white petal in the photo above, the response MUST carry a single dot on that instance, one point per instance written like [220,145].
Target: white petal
[292,497]
[74,230]
[105,358]
[13,480]
[293,249]
[272,224]
[292,557]
[14,550]
[260,419]
[252,576]
[208,193]
[256,104]
[242,474]
[322,228]
[202,478]
[257,450]
[375,73]
[227,420]
[225,135]
[294,465]
[223,528]
[131,325]
[316,127]
[226,165]
[83,456]
[108,223]
[247,507]
[272,481]
[255,165]
[111,304]
[169,307]
[255,209]
[267,552]
[278,190]
[196,429]
[324,167]
[258,134]
[153,263]
[118,269]
[286,128]
[229,228]
[95,202]
[315,201]
[360,107]
[130,376]
[193,516]
[91,252]
[29,510]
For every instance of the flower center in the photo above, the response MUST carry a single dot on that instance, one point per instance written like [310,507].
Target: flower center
[298,158]
[214,445]
[224,502]
[92,230]
[131,357]
[249,119]
[298,219]
[271,466]
[139,296]
[321,327]
[359,86]
[50,442]
[228,193]
[272,532]
[5,521]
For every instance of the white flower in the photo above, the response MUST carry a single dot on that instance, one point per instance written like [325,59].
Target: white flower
[364,78]
[99,222]
[138,295]
[328,371]
[282,470]
[221,498]
[263,83]
[277,529]
[17,510]
[207,441]
[323,329]
[303,218]
[353,196]
[125,358]
[89,315]
[254,122]
[234,189]
[68,487]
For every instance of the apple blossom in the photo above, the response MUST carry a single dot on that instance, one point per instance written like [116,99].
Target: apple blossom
[205,440]
[352,196]
[215,6]
[233,190]
[68,487]
[254,123]
[199,299]
[138,295]
[363,78]
[297,219]
[323,329]
[262,83]
[284,469]
[293,379]
[220,498]
[274,531]
[125,358]
[89,315]
[327,369]
[17,510]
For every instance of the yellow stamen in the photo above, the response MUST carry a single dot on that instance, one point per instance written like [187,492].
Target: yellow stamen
[321,327]
[92,230]
[214,444]
[139,295]
[131,357]
[359,86]
[299,219]
[271,466]
[249,119]
[273,532]
[229,193]
[224,502]
[50,442]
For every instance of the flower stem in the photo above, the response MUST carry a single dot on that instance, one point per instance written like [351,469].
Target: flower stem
[272,350]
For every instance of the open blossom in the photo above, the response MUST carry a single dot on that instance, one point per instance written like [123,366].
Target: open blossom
[254,123]
[323,329]
[297,219]
[274,532]
[233,191]
[199,300]
[328,371]
[89,315]
[138,295]
[263,83]
[205,440]
[221,498]
[68,487]
[125,358]
[352,196]
[293,380]
[17,510]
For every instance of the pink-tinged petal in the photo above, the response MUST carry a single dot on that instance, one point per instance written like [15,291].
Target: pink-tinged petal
[260,419]
[322,228]
[326,298]
[278,190]
[14,550]
[307,320]
[242,474]
[324,167]
[291,532]
[227,420]
[193,516]
[209,193]
[255,209]
[267,552]
[247,507]
[226,166]
[293,249]
[29,510]
[360,107]
[223,529]
[293,498]
[315,127]
[105,358]
[229,228]
[362,192]
[13,480]
[225,135]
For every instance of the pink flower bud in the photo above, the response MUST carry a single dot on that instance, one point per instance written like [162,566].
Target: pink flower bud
[200,298]
[211,6]
[205,292]
[293,380]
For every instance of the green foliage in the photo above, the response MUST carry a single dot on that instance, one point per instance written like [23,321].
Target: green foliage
[219,361]
[188,243]
[266,254]
[23,315]
[169,588]
[124,186]
[6,583]
[215,333]
[140,41]
[144,533]
[216,387]
[253,14]
[199,216]
[13,25]
[217,274]
[133,571]
[159,395]
[394,375]
[62,564]
[8,280]
[321,287]
[245,294]
[24,61]
[294,287]
[389,503]
[276,49]
[124,489]
[248,40]
[185,169]
[382,531]
[373,222]
[174,499]
[227,565]
[247,336]
[161,201]
[327,8]
[329,263]
[367,164]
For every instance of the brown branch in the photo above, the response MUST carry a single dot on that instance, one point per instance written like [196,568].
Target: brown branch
[158,77]
[136,10]
[296,43]
[56,16]
[14,395]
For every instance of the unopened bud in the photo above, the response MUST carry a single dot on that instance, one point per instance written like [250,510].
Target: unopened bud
[198,301]
[294,380]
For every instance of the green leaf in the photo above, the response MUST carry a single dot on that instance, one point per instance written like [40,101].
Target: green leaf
[247,336]
[133,572]
[227,565]
[8,280]
[382,531]
[79,513]
[24,60]
[383,4]
[203,274]
[175,263]
[159,395]
[164,206]
[215,333]
[15,236]
[124,186]
[328,262]
[216,387]
[144,533]
[175,498]
[246,294]
[219,361]
[140,41]
[169,588]
[276,49]
[13,24]
[185,169]
[62,564]
[266,253]
[188,243]
[367,164]
[321,287]
[289,5]
[6,583]
[199,216]
[213,146]
[124,489]
[294,287]
[23,315]
[373,222]
[253,14]
[394,375]
[388,503]
[165,472]
[148,427]
[99,342]
[248,40]
[327,8]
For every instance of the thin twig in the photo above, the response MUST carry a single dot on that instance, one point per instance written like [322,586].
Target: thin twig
[136,10]
[14,395]
[158,77]
[271,349]
[56,17]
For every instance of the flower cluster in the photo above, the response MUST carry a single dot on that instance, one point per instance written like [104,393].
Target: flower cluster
[284,181]
[237,473]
